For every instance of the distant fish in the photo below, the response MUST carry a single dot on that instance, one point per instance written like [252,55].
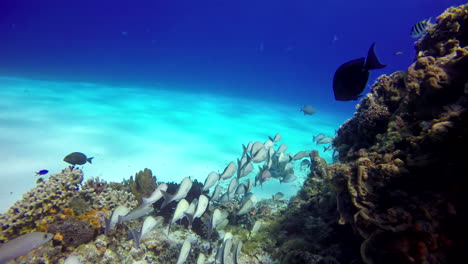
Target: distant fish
[420,28]
[42,172]
[301,155]
[318,137]
[277,196]
[288,178]
[305,163]
[184,188]
[398,52]
[308,110]
[351,77]
[184,252]
[77,158]
[22,245]
[325,140]
[156,195]
[330,147]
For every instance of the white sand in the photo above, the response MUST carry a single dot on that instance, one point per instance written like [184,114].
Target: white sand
[127,129]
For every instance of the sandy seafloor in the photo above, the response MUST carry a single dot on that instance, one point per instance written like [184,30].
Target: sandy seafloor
[126,129]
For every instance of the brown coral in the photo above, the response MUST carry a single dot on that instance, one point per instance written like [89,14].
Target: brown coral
[396,179]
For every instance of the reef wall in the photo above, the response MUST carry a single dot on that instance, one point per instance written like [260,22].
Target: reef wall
[403,167]
[402,177]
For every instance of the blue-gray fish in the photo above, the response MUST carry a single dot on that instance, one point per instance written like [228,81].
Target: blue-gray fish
[184,252]
[140,211]
[114,218]
[308,110]
[179,212]
[217,193]
[325,140]
[148,224]
[211,180]
[318,137]
[288,178]
[228,171]
[157,194]
[22,245]
[420,28]
[278,196]
[184,188]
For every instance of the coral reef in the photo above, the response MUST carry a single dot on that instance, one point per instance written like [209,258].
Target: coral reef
[72,232]
[401,178]
[101,195]
[46,199]
[309,230]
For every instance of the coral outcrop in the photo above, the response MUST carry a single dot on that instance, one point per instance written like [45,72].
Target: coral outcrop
[46,199]
[143,185]
[400,184]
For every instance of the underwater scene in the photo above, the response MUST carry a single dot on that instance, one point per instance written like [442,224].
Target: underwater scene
[233,132]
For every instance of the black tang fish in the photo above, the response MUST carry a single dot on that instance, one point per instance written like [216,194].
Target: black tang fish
[351,77]
[77,158]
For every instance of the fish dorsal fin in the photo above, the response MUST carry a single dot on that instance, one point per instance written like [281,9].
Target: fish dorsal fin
[371,61]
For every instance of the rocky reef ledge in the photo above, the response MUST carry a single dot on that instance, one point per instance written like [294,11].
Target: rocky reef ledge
[400,189]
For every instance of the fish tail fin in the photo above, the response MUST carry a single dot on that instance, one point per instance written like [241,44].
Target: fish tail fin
[144,200]
[372,62]
[167,198]
[136,237]
[324,149]
[90,160]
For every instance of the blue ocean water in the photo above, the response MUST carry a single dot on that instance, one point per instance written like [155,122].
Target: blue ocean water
[121,80]
[274,50]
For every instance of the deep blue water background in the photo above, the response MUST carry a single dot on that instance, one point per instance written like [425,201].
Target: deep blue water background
[274,50]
